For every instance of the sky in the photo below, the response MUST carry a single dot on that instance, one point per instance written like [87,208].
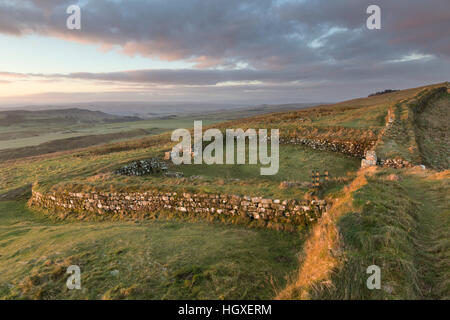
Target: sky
[236,51]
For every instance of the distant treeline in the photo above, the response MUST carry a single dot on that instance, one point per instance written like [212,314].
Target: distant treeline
[382,92]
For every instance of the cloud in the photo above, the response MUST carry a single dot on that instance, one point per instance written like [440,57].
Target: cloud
[406,66]
[260,33]
[12,75]
[254,43]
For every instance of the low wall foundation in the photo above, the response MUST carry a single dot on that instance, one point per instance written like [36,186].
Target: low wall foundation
[211,206]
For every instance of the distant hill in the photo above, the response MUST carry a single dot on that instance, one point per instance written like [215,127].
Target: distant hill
[59,117]
[148,110]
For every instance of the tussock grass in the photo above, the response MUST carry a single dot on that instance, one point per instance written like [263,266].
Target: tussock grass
[401,226]
[146,260]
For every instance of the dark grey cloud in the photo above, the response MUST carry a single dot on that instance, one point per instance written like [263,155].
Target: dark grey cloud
[261,33]
[427,69]
[272,41]
[319,83]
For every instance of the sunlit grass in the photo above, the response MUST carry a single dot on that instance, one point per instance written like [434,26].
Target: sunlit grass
[149,260]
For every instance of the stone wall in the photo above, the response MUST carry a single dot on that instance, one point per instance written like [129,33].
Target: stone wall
[396,163]
[210,206]
[352,148]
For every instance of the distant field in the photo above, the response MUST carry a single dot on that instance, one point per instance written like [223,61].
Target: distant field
[12,134]
[70,144]
[91,167]
[27,128]
[359,119]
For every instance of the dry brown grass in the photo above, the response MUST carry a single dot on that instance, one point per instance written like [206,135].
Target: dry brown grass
[443,175]
[428,174]
[321,251]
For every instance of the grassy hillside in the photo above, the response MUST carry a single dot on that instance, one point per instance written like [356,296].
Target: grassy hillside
[433,133]
[296,164]
[358,119]
[397,219]
[419,131]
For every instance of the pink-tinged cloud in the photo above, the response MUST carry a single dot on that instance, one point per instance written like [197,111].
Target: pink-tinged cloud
[12,75]
[273,43]
[262,34]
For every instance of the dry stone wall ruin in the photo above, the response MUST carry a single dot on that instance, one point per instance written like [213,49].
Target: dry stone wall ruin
[352,148]
[144,204]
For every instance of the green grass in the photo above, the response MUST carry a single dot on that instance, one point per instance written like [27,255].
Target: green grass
[402,225]
[155,260]
[399,139]
[85,169]
[53,169]
[403,228]
[296,164]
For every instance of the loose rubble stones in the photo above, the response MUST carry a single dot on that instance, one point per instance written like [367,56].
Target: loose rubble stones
[174,174]
[142,167]
[396,163]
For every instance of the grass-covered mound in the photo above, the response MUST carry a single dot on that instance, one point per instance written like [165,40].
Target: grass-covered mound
[419,133]
[432,123]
